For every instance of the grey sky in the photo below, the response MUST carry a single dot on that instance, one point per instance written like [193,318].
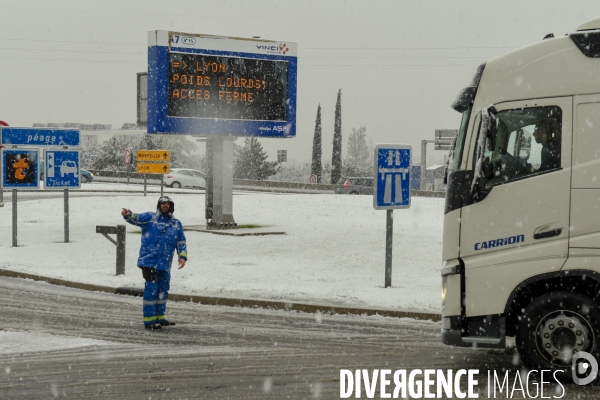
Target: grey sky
[399,63]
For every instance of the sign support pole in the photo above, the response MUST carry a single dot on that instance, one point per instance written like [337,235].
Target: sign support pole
[424,142]
[1,189]
[219,183]
[14,217]
[120,249]
[389,240]
[162,184]
[392,169]
[66,196]
[144,185]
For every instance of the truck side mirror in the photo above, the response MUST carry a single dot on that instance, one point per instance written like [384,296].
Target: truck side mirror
[486,170]
[487,134]
[490,129]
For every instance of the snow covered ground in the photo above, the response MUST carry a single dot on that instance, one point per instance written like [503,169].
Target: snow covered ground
[333,251]
[24,342]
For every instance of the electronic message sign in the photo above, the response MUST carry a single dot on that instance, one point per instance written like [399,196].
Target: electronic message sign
[213,85]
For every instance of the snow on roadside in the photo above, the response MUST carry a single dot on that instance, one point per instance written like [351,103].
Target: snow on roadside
[25,342]
[333,251]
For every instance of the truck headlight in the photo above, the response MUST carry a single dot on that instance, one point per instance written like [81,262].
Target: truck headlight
[444,287]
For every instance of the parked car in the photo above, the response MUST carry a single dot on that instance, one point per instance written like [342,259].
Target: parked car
[358,185]
[183,177]
[86,176]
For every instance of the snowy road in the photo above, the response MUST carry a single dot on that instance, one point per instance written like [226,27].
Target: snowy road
[100,349]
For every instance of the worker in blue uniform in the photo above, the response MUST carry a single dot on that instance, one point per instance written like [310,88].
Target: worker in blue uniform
[162,235]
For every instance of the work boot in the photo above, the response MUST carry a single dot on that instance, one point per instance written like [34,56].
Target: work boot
[164,322]
[152,326]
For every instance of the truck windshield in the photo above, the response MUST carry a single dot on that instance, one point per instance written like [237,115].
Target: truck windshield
[460,141]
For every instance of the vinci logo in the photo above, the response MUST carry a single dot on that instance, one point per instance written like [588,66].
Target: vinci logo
[268,48]
[281,49]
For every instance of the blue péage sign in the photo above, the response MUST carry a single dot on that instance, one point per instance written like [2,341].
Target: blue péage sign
[392,176]
[62,169]
[39,137]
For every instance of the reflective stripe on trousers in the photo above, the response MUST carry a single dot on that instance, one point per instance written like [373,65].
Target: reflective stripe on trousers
[156,293]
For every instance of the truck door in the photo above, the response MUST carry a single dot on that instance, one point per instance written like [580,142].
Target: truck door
[518,224]
[584,238]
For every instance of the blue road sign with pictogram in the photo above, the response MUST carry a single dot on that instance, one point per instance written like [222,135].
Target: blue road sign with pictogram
[20,169]
[62,169]
[46,137]
[392,176]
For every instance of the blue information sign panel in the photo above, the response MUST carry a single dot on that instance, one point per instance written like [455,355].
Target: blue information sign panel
[20,169]
[209,85]
[46,137]
[62,169]
[392,176]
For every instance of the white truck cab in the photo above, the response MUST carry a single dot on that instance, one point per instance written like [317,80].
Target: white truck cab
[521,245]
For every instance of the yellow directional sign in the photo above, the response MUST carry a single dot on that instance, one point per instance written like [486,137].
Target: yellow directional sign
[145,168]
[153,155]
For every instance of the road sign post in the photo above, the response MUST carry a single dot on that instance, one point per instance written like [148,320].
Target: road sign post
[392,172]
[21,168]
[156,162]
[62,170]
[14,218]
[127,162]
[119,230]
[240,87]
[444,138]
[66,214]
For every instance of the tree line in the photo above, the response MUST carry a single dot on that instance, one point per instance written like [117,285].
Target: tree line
[359,160]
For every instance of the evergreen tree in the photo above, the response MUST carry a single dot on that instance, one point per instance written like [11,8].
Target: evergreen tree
[250,161]
[336,157]
[316,153]
[327,171]
[358,161]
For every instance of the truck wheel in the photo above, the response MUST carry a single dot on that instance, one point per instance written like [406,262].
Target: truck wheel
[554,327]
